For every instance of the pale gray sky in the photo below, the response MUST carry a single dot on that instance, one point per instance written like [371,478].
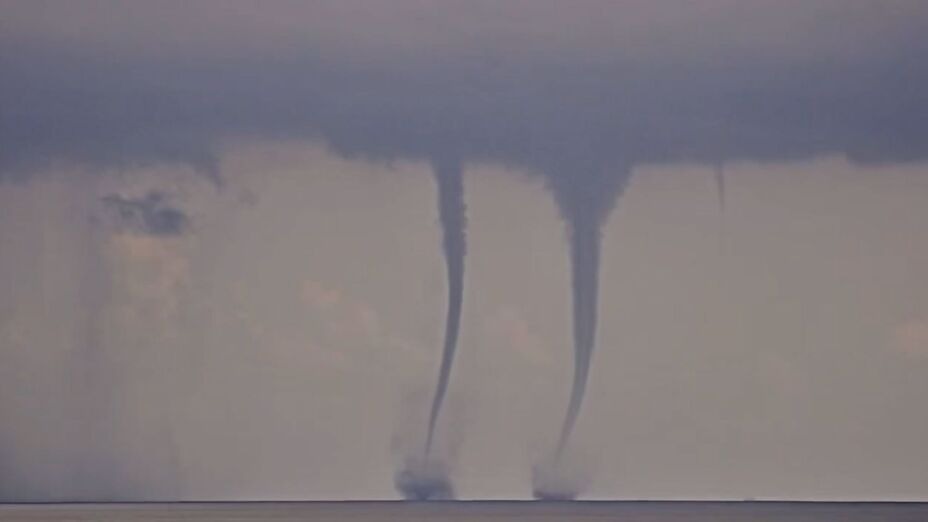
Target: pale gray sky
[779,351]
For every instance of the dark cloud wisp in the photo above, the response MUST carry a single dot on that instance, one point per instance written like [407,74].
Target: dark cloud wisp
[150,214]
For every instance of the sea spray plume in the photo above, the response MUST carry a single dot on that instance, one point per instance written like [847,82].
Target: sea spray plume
[424,479]
[421,477]
[559,479]
[452,214]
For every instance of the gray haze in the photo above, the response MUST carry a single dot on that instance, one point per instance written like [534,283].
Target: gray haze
[220,267]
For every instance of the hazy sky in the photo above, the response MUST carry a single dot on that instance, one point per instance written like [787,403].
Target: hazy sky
[221,272]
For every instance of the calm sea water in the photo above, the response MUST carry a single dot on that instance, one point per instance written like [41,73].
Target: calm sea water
[483,511]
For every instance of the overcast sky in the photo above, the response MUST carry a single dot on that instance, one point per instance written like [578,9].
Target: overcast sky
[221,273]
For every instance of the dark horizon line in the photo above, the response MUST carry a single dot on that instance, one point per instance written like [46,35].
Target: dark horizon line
[4,503]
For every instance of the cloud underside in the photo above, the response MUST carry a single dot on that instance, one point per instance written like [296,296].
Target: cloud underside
[848,80]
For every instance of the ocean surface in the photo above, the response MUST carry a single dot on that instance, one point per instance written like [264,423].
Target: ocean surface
[474,510]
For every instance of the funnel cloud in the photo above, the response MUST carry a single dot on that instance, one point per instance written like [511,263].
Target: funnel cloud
[452,215]
[585,197]
[425,476]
